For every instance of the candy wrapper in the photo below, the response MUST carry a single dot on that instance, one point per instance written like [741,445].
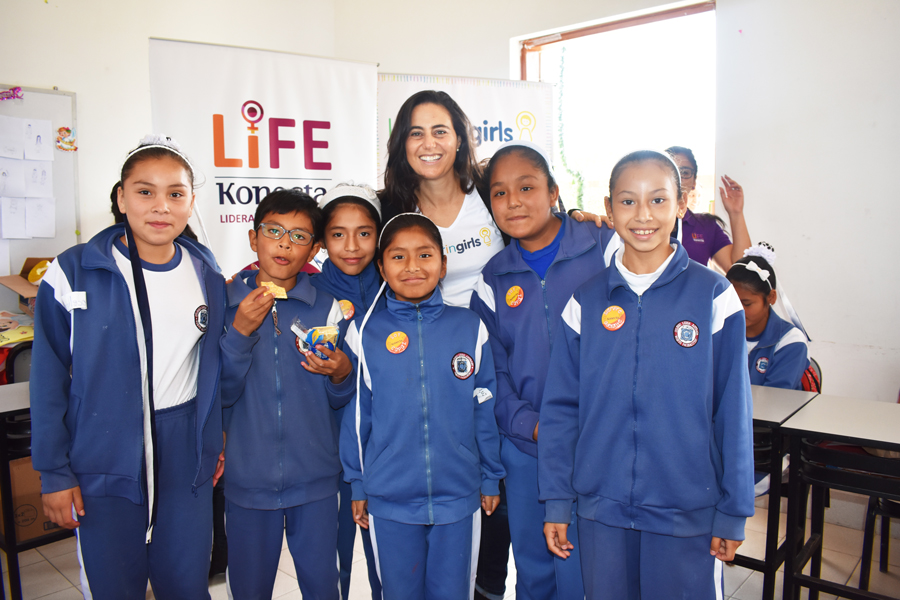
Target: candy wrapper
[308,337]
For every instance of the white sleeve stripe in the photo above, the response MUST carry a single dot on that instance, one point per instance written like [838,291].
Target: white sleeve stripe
[335,315]
[354,342]
[726,304]
[62,293]
[794,336]
[572,315]
[486,294]
[482,340]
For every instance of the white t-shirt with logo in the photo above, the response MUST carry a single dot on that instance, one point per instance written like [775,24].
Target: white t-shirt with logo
[179,315]
[469,243]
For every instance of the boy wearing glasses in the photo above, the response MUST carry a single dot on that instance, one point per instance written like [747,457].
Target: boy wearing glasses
[283,465]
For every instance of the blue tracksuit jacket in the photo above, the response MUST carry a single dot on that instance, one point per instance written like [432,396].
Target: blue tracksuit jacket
[648,422]
[281,434]
[360,290]
[521,329]
[780,355]
[88,425]
[423,440]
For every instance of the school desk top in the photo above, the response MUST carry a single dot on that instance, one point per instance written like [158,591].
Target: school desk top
[773,406]
[14,396]
[860,422]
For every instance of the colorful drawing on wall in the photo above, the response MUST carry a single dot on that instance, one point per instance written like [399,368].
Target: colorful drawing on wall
[12,94]
[65,139]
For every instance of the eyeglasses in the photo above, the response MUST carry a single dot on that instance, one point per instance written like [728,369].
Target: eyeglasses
[686,172]
[276,232]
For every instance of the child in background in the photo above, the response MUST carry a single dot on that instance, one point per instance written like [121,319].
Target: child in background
[777,351]
[283,465]
[423,439]
[131,464]
[352,217]
[520,297]
[646,418]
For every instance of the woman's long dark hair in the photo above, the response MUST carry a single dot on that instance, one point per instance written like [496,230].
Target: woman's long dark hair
[400,181]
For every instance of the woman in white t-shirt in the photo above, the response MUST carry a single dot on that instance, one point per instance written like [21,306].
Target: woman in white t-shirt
[432,169]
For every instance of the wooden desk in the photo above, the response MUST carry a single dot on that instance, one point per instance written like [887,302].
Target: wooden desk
[844,420]
[771,408]
[14,400]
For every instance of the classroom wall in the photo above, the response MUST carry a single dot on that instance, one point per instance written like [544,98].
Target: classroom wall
[100,51]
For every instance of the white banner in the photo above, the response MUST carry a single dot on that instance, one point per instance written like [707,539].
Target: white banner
[254,121]
[500,110]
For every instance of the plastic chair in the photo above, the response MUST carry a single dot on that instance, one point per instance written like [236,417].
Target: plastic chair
[812,377]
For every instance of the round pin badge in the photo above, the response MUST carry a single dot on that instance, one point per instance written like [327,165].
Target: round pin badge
[348,309]
[462,365]
[201,317]
[514,296]
[613,318]
[762,364]
[686,334]
[397,342]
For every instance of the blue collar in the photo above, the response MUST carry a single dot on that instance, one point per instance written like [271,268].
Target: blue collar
[775,329]
[245,282]
[575,240]
[358,289]
[430,309]
[98,251]
[553,246]
[678,264]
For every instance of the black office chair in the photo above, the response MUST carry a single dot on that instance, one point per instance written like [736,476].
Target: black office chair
[18,363]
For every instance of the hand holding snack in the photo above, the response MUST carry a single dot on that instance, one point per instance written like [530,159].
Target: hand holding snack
[252,310]
[276,290]
[336,364]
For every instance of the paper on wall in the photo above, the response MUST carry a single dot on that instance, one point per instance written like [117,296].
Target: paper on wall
[12,137]
[39,139]
[12,219]
[12,177]
[38,179]
[40,217]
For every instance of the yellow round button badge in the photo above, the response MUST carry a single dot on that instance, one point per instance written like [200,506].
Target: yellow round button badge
[397,342]
[514,296]
[347,309]
[613,318]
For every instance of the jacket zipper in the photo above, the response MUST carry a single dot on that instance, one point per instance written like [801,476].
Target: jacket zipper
[277,365]
[637,346]
[425,414]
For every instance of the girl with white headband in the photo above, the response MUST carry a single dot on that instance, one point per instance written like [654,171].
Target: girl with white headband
[126,412]
[777,349]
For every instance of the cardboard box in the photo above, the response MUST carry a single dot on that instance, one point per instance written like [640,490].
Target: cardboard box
[26,493]
[19,284]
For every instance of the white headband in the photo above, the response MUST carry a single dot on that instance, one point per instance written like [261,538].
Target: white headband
[532,146]
[343,190]
[161,141]
[752,266]
[415,214]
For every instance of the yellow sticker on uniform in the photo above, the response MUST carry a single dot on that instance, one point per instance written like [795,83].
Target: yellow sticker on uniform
[348,309]
[397,342]
[514,296]
[613,318]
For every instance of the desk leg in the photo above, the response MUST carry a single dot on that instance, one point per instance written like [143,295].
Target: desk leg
[794,537]
[774,517]
[817,528]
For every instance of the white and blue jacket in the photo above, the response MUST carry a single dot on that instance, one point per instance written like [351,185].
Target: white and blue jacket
[281,435]
[424,440]
[86,396]
[521,312]
[647,415]
[360,290]
[779,357]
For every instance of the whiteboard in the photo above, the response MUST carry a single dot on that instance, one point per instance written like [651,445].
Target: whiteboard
[59,108]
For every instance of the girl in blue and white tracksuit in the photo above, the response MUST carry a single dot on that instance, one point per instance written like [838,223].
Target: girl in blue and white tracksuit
[126,410]
[421,451]
[776,350]
[520,297]
[352,217]
[646,420]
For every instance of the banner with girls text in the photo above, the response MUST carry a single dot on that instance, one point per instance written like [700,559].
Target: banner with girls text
[500,110]
[254,121]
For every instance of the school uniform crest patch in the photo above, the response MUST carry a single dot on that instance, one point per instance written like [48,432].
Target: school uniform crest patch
[762,364]
[686,334]
[201,317]
[462,365]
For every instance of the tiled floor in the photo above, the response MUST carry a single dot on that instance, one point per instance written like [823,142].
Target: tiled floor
[52,573]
